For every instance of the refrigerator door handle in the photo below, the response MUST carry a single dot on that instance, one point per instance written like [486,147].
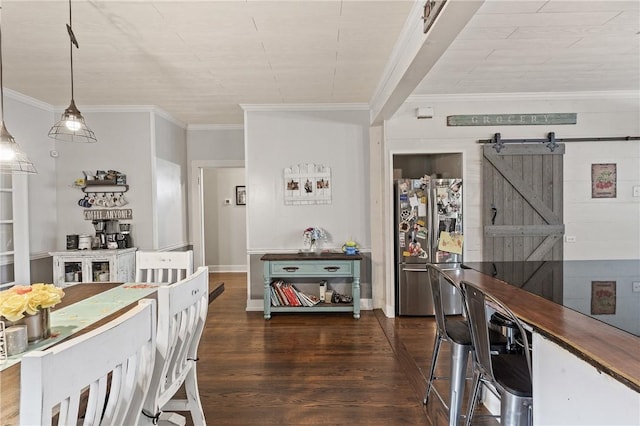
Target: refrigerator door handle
[415,270]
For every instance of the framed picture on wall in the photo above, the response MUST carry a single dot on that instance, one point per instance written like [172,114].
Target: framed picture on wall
[603,180]
[241,196]
[307,183]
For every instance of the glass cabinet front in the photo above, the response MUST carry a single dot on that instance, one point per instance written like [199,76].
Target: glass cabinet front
[73,271]
[100,270]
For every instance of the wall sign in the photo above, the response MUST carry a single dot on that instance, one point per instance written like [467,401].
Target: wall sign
[512,119]
[108,214]
[603,180]
[307,184]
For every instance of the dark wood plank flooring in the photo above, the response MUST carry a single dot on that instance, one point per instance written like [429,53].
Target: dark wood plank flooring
[298,369]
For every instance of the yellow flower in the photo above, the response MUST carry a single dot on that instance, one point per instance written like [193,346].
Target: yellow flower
[20,300]
[13,305]
[44,296]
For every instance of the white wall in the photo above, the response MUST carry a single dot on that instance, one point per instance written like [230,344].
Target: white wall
[125,136]
[599,115]
[29,121]
[569,391]
[123,145]
[336,137]
[279,139]
[170,184]
[208,146]
[215,143]
[224,224]
[589,220]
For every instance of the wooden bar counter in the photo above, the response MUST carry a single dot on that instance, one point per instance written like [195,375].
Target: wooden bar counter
[585,344]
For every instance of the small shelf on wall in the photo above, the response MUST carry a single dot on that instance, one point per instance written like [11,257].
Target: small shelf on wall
[104,187]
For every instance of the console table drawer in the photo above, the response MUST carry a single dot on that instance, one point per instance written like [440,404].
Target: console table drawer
[312,268]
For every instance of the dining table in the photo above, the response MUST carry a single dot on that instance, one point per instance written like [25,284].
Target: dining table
[84,307]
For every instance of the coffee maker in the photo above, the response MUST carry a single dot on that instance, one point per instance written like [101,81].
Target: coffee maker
[124,238]
[101,236]
[113,231]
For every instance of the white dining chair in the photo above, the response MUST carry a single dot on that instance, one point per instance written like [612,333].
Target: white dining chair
[182,312]
[163,266]
[110,366]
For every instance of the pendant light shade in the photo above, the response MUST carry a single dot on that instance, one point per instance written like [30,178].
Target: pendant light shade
[12,158]
[71,127]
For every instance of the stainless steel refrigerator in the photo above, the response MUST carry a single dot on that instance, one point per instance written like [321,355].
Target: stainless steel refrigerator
[428,219]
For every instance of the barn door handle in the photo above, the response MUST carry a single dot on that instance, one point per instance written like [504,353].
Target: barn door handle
[494,213]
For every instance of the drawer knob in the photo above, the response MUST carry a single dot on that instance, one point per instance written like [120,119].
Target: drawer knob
[290,268]
[331,268]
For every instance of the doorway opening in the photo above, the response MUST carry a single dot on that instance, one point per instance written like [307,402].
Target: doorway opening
[224,220]
[218,218]
[427,203]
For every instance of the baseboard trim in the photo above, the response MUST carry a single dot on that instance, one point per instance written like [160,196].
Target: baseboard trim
[227,268]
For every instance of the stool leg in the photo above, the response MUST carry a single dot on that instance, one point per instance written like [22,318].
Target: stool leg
[514,410]
[473,396]
[458,370]
[432,370]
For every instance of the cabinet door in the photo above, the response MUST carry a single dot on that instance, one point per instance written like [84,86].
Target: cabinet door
[126,267]
[68,271]
[99,269]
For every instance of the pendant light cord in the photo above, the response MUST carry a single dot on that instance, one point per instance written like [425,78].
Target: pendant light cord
[72,41]
[70,30]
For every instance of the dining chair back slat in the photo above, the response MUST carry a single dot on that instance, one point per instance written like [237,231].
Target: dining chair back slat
[118,355]
[182,312]
[163,266]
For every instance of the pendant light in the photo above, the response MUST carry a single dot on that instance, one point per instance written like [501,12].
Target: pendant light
[12,158]
[71,127]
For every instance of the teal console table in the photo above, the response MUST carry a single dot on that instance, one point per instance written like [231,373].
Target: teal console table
[321,266]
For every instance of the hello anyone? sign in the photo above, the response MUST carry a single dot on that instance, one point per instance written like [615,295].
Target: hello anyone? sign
[512,119]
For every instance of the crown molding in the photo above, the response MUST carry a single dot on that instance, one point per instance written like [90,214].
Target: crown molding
[164,114]
[524,96]
[305,107]
[93,108]
[215,127]
[151,109]
[29,100]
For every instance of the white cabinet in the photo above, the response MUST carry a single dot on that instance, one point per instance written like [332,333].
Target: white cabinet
[74,266]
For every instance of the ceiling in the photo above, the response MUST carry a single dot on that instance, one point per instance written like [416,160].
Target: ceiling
[542,46]
[199,60]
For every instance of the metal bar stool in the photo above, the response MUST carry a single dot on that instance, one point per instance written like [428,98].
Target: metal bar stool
[508,373]
[456,332]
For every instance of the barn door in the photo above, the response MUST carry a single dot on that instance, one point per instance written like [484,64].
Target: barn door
[522,203]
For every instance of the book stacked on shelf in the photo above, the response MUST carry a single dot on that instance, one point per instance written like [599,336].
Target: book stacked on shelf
[286,294]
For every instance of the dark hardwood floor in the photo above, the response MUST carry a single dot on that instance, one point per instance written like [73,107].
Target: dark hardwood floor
[324,369]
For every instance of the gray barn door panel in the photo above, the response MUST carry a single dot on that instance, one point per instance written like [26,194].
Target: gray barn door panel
[522,202]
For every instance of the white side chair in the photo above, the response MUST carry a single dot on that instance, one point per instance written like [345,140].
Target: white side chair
[111,366]
[182,312]
[163,266]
